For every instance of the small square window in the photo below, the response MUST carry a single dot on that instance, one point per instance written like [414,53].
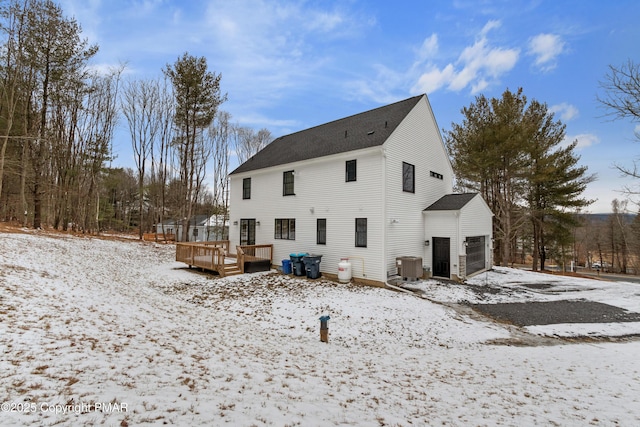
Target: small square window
[350,171]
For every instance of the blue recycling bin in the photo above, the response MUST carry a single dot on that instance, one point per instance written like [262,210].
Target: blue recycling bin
[286,266]
[312,265]
[297,265]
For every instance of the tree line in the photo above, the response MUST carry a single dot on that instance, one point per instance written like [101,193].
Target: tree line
[57,121]
[510,151]
[58,116]
[513,152]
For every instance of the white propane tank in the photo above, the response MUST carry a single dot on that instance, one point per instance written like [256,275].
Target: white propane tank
[344,270]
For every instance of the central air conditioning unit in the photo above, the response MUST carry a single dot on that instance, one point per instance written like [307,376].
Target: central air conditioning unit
[409,267]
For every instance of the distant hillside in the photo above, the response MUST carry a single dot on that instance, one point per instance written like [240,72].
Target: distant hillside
[603,217]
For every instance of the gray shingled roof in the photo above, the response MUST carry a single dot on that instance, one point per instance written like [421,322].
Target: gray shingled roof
[451,202]
[364,130]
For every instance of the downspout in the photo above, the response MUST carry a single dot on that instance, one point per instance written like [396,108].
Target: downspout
[459,244]
[385,228]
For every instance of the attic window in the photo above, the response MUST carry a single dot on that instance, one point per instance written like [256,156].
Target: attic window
[436,175]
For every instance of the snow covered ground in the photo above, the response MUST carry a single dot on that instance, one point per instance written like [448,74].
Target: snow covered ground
[103,332]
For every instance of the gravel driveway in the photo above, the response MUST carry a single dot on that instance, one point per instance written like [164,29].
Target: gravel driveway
[552,312]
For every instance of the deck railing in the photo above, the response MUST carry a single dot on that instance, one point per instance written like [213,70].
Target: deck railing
[254,253]
[150,237]
[207,255]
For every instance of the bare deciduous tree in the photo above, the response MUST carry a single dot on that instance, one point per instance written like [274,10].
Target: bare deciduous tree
[248,142]
[621,99]
[14,26]
[220,132]
[140,104]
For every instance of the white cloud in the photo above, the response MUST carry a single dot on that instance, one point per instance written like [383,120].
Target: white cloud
[435,78]
[546,48]
[429,48]
[584,140]
[491,25]
[276,46]
[566,111]
[478,66]
[326,22]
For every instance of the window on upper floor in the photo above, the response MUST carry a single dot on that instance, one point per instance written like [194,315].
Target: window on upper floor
[408,177]
[436,175]
[321,231]
[361,232]
[287,183]
[285,229]
[246,188]
[350,171]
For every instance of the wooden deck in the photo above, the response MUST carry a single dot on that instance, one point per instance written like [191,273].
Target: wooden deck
[215,256]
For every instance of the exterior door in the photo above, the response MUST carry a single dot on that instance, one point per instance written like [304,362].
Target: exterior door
[441,257]
[248,231]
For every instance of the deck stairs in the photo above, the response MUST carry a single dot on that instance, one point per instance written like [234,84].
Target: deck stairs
[232,269]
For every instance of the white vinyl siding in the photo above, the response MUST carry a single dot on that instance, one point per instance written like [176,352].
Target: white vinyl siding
[320,192]
[475,218]
[416,141]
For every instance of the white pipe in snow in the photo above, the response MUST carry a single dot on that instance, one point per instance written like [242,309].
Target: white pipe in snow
[397,288]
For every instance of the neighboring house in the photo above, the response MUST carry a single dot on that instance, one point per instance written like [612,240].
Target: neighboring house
[202,228]
[370,187]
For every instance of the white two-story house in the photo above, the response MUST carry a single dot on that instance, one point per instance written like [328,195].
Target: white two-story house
[370,187]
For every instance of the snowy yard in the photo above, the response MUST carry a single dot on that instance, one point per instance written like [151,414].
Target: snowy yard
[104,332]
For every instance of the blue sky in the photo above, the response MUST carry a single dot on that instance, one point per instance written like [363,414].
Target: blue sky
[290,65]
